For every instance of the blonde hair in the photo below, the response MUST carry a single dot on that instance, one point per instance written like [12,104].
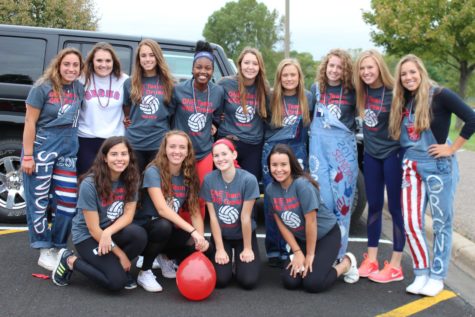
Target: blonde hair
[52,73]
[277,97]
[262,87]
[347,65]
[165,76]
[421,99]
[360,86]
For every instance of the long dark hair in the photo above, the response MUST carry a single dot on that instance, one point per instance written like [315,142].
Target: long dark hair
[296,170]
[101,173]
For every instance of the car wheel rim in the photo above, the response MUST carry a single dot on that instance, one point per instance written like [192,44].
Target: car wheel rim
[11,184]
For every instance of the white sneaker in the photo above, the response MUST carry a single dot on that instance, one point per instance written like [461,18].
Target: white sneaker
[352,275]
[48,258]
[167,266]
[148,281]
[418,284]
[432,287]
[139,264]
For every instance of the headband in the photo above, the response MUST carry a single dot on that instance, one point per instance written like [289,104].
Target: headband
[230,145]
[204,54]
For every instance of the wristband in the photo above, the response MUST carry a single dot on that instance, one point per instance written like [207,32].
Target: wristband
[298,250]
[27,159]
[26,155]
[191,232]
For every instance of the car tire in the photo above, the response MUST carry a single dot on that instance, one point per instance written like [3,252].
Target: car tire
[359,202]
[12,199]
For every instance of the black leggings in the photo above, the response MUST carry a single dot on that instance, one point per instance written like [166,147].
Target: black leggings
[164,237]
[106,270]
[323,274]
[143,158]
[247,274]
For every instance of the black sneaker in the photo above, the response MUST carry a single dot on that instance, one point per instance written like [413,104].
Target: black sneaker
[131,283]
[61,273]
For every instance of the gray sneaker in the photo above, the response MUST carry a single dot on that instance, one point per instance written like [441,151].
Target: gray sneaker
[167,266]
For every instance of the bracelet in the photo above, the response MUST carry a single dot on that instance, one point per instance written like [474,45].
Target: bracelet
[298,250]
[191,232]
[27,159]
[27,155]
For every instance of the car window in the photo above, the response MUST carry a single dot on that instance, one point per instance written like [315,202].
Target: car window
[181,63]
[22,59]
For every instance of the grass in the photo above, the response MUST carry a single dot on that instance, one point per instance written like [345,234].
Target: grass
[453,134]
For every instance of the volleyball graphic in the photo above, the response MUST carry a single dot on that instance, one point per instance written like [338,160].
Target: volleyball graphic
[115,210]
[150,104]
[243,118]
[228,214]
[291,219]
[334,110]
[314,164]
[289,120]
[174,204]
[370,118]
[63,109]
[197,122]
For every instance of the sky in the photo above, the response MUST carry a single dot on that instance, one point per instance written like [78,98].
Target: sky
[316,26]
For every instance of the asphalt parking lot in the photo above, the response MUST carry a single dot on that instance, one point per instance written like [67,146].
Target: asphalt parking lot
[24,295]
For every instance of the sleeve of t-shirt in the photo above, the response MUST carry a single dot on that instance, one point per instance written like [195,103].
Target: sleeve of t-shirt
[87,198]
[251,188]
[267,199]
[80,90]
[37,97]
[455,104]
[307,196]
[127,101]
[151,178]
[219,109]
[310,102]
[205,189]
[313,100]
[173,102]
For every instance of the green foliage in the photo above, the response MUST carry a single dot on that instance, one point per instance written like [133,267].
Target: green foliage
[244,23]
[66,14]
[440,31]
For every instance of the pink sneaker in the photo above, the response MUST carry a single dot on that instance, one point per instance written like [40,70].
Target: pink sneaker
[387,275]
[367,266]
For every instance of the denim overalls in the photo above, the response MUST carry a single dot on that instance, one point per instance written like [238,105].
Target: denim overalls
[427,180]
[295,136]
[53,183]
[333,162]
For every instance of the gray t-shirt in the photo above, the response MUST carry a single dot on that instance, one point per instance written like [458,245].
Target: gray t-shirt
[108,210]
[152,179]
[56,111]
[292,204]
[151,119]
[377,141]
[195,112]
[292,120]
[342,104]
[228,199]
[248,128]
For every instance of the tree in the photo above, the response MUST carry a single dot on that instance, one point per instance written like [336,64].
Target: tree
[244,23]
[66,14]
[441,31]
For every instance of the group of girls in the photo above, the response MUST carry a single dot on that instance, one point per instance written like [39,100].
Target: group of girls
[146,137]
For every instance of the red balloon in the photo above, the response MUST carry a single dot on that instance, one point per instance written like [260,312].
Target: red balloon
[196,277]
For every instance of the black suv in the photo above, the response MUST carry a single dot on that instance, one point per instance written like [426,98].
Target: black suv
[24,54]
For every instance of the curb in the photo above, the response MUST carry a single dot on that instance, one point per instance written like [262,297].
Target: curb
[463,250]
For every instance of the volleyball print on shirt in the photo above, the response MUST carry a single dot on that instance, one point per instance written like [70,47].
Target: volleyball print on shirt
[115,210]
[63,109]
[197,122]
[334,110]
[313,164]
[289,120]
[228,214]
[174,204]
[245,118]
[150,104]
[290,219]
[370,118]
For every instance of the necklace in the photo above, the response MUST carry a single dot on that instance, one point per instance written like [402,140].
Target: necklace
[194,97]
[380,105]
[108,92]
